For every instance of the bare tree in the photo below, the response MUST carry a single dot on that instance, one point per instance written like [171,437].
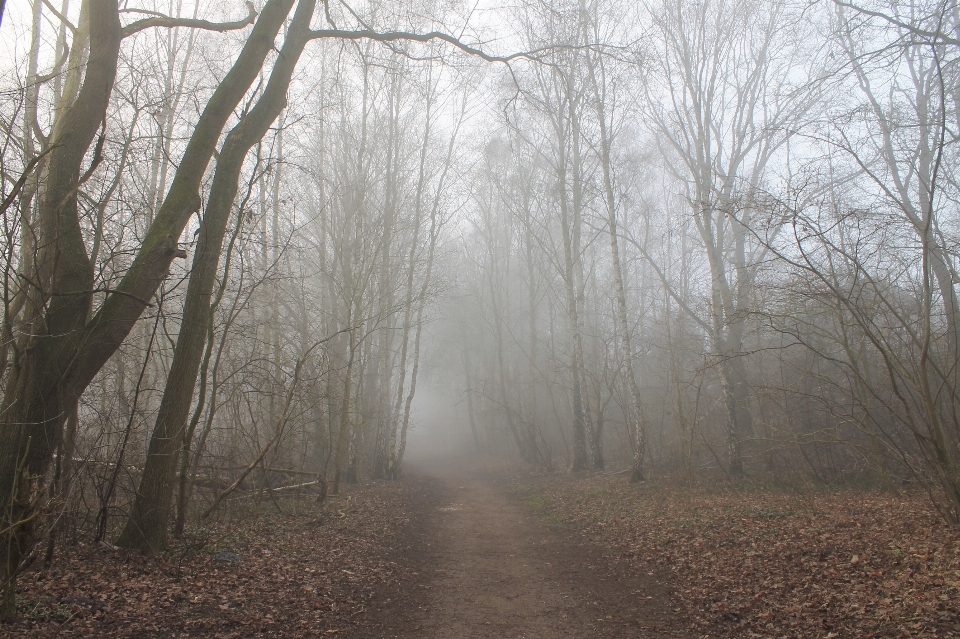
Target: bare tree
[146,529]
[728,107]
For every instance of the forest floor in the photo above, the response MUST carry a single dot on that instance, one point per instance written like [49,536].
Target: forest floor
[310,571]
[467,549]
[745,562]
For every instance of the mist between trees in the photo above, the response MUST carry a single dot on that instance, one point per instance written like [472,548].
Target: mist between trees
[686,240]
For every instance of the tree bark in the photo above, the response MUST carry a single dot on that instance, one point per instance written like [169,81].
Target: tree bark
[147,526]
[35,405]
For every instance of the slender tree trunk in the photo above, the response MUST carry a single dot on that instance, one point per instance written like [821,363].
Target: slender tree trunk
[573,323]
[467,372]
[187,456]
[542,451]
[278,430]
[344,429]
[409,298]
[576,264]
[637,426]
[381,460]
[421,304]
[107,497]
[212,408]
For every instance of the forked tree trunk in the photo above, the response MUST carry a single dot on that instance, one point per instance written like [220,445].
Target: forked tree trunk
[147,526]
[36,402]
[62,352]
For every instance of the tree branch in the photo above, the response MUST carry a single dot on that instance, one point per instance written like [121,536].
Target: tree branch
[60,16]
[104,290]
[394,36]
[666,285]
[917,31]
[160,20]
[18,186]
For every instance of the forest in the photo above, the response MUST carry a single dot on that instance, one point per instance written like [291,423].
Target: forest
[373,281]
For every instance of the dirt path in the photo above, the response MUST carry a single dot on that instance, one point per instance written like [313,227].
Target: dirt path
[486,566]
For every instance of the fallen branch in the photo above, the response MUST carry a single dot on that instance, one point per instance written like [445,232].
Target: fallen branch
[263,453]
[278,431]
[282,471]
[613,473]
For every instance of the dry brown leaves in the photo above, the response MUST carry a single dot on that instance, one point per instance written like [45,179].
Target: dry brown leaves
[768,564]
[315,574]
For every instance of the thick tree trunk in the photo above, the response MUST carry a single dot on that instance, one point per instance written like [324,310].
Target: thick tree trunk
[736,399]
[146,527]
[63,353]
[36,404]
[727,327]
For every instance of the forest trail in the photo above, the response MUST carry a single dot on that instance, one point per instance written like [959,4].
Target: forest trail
[487,566]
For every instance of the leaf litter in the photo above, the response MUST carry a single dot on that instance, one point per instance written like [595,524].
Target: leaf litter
[764,563]
[734,562]
[314,574]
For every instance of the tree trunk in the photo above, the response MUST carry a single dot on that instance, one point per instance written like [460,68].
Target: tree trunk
[147,526]
[381,459]
[36,402]
[467,369]
[344,429]
[573,322]
[637,426]
[421,304]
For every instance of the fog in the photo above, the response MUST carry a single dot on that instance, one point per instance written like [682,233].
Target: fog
[440,428]
[685,241]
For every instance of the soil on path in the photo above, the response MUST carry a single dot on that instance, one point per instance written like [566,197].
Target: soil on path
[485,565]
